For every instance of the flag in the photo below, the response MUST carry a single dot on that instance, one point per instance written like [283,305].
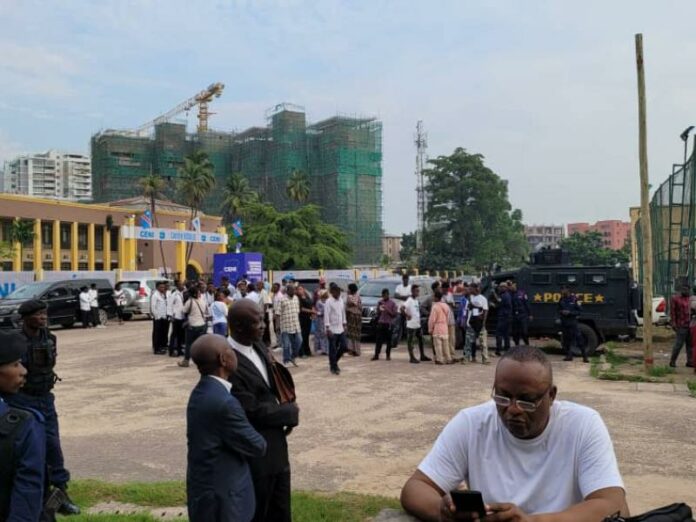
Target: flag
[237,228]
[196,224]
[146,219]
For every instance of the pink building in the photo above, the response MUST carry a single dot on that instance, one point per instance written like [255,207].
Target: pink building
[614,232]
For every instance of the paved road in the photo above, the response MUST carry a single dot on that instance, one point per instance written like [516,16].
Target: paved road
[123,417]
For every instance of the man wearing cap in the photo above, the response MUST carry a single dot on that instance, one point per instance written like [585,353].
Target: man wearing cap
[22,440]
[40,360]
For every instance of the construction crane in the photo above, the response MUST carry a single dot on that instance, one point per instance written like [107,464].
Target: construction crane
[202,99]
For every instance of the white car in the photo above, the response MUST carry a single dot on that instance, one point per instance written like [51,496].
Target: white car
[659,312]
[138,293]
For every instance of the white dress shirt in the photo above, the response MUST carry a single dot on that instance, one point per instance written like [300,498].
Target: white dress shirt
[175,305]
[84,301]
[226,384]
[335,315]
[93,298]
[254,357]
[158,305]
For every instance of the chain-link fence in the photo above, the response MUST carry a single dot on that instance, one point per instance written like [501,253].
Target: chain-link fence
[673,214]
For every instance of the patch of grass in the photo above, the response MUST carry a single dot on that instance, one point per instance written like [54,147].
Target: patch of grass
[347,507]
[691,384]
[617,376]
[155,494]
[660,371]
[614,359]
[307,506]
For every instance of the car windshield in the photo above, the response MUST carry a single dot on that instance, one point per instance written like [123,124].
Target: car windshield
[374,288]
[30,291]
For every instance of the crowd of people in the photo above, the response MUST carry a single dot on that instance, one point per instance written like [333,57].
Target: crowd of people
[244,406]
[329,320]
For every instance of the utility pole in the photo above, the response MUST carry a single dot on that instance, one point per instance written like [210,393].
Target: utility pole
[421,142]
[645,221]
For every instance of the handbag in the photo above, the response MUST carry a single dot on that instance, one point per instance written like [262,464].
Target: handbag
[282,378]
[673,513]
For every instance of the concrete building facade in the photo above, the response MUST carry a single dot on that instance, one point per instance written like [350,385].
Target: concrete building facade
[540,236]
[391,247]
[614,232]
[74,236]
[55,175]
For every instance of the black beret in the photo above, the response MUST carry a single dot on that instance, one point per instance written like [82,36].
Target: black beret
[31,307]
[12,347]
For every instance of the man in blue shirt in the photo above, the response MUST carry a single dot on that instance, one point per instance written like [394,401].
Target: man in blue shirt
[22,441]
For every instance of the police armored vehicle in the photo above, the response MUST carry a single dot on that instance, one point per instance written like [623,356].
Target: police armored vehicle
[606,294]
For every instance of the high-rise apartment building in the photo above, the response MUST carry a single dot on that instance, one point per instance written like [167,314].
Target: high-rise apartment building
[614,232]
[53,174]
[539,236]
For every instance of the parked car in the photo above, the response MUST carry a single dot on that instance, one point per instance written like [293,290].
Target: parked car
[138,292]
[62,300]
[659,312]
[371,293]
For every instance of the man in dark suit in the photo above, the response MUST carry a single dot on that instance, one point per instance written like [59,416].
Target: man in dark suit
[220,439]
[255,388]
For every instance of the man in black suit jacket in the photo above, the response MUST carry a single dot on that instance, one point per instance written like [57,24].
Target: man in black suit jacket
[220,440]
[253,385]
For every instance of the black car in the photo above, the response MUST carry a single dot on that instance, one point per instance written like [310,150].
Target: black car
[371,293]
[62,298]
[607,298]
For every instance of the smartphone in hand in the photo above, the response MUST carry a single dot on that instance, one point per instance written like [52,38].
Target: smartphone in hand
[469,502]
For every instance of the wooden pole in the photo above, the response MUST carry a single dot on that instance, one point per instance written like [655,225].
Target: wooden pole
[645,221]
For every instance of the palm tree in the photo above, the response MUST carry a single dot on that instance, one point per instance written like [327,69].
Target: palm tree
[6,250]
[298,186]
[196,180]
[237,195]
[21,232]
[152,186]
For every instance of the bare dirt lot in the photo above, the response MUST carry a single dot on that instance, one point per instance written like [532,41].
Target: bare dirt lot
[122,414]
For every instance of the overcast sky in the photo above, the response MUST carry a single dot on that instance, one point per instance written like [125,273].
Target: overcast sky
[545,90]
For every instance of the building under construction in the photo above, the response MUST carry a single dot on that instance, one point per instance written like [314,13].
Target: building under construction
[342,156]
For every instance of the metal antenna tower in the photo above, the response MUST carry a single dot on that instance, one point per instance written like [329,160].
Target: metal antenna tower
[421,142]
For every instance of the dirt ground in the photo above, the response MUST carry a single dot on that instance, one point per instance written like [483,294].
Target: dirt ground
[122,413]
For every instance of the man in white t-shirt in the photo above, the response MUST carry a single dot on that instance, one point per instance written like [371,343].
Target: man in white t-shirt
[477,321]
[403,290]
[532,458]
[411,310]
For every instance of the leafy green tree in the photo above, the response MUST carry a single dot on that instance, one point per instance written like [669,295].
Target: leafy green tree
[6,250]
[196,180]
[152,186]
[21,232]
[297,239]
[298,186]
[470,220]
[588,249]
[408,246]
[238,195]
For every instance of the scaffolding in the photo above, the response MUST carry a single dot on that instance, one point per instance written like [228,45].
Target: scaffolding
[673,215]
[341,155]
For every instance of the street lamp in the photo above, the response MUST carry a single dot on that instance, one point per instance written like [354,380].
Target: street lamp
[685,137]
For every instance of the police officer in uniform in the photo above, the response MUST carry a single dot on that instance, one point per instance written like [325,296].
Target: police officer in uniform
[40,360]
[521,315]
[504,316]
[22,441]
[569,310]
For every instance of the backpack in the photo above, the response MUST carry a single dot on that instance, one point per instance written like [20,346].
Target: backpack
[672,513]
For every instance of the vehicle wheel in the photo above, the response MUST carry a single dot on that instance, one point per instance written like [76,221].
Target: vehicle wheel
[588,336]
[68,324]
[127,316]
[103,317]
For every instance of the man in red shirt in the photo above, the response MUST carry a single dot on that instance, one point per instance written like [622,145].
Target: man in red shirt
[680,314]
